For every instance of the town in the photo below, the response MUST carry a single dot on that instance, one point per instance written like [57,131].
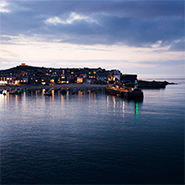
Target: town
[24,74]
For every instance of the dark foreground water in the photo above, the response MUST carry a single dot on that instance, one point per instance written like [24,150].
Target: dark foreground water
[93,138]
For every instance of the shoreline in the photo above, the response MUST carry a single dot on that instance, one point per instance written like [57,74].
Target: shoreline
[55,87]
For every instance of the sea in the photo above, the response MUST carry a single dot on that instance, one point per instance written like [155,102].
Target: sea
[93,138]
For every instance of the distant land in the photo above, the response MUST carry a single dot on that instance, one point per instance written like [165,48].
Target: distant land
[24,74]
[32,75]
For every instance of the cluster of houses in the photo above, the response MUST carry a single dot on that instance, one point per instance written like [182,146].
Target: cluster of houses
[24,74]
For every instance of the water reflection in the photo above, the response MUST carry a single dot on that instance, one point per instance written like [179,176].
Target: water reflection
[3,100]
[136,112]
[62,98]
[107,101]
[92,98]
[123,109]
[113,105]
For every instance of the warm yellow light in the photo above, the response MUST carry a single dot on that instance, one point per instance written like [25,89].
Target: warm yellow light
[3,82]
[79,80]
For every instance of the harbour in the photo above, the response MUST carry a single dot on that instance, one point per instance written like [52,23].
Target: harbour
[85,137]
[92,92]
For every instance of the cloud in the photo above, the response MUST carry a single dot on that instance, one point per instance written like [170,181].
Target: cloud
[177,45]
[163,63]
[3,7]
[131,23]
[73,17]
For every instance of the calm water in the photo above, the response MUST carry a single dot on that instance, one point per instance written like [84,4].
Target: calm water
[93,138]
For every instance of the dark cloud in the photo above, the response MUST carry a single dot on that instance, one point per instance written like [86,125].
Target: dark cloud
[142,9]
[134,23]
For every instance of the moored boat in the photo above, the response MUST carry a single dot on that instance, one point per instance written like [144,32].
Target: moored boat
[16,92]
[63,92]
[48,92]
[129,93]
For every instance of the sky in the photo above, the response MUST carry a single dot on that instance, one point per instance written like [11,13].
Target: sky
[133,36]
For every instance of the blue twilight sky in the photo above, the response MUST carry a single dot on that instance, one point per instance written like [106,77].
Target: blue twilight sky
[143,37]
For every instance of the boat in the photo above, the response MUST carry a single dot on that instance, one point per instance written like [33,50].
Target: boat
[74,91]
[11,93]
[48,92]
[124,92]
[16,92]
[63,92]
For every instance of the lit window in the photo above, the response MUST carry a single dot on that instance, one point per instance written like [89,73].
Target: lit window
[52,80]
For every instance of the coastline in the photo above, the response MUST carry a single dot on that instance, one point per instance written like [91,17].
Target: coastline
[55,87]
